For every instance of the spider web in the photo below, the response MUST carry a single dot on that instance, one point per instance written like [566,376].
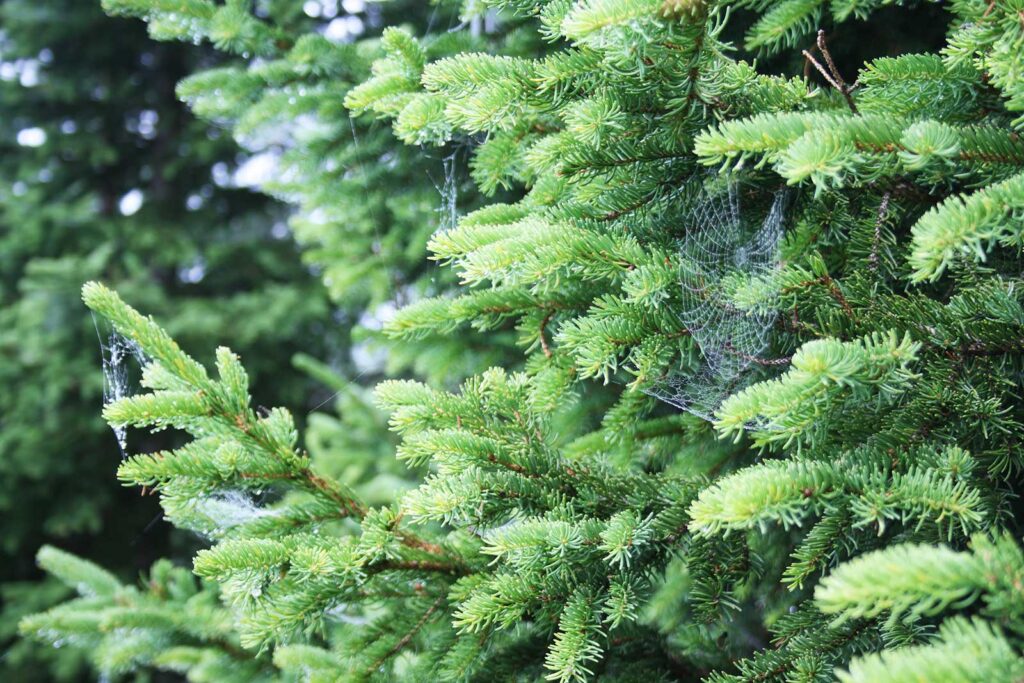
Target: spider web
[117,353]
[217,514]
[728,261]
[448,190]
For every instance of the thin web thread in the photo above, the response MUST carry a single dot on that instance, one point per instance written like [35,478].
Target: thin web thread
[448,190]
[116,352]
[722,253]
[449,195]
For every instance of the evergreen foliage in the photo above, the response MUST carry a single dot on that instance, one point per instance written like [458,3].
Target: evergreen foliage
[168,623]
[839,504]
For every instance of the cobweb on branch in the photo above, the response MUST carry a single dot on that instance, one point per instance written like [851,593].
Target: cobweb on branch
[118,353]
[218,513]
[448,190]
[728,262]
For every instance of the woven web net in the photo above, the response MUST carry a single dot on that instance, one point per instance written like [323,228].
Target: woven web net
[728,262]
[119,354]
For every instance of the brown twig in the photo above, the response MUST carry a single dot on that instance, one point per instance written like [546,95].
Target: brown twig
[828,58]
[883,211]
[418,565]
[418,543]
[766,362]
[833,290]
[404,640]
[817,65]
[543,340]
[837,294]
[831,75]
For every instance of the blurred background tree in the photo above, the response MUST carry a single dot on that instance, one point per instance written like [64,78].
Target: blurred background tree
[105,174]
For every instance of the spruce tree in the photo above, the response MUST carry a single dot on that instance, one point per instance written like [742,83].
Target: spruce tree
[764,421]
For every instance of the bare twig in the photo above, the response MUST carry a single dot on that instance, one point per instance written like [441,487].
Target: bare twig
[821,70]
[828,58]
[766,362]
[833,289]
[831,75]
[543,340]
[883,211]
[407,637]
